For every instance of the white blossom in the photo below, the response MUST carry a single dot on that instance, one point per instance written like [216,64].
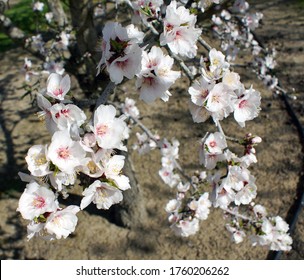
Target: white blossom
[180,33]
[36,200]
[186,228]
[120,51]
[37,162]
[169,177]
[58,86]
[102,194]
[112,170]
[201,206]
[65,153]
[65,116]
[129,108]
[156,76]
[199,91]
[144,144]
[247,106]
[109,130]
[38,6]
[63,222]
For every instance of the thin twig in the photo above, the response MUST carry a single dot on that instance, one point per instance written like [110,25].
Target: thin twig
[236,214]
[204,44]
[146,130]
[102,99]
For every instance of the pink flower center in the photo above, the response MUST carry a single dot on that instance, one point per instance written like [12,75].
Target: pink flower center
[39,202]
[65,112]
[149,81]
[63,153]
[178,35]
[122,64]
[212,144]
[242,104]
[58,92]
[151,64]
[102,129]
[169,27]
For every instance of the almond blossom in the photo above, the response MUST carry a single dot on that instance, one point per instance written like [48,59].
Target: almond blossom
[146,10]
[199,113]
[58,86]
[186,228]
[62,222]
[112,170]
[156,76]
[102,194]
[199,91]
[45,105]
[219,101]
[274,234]
[65,116]
[201,206]
[37,161]
[36,200]
[144,144]
[120,51]
[218,65]
[180,33]
[109,130]
[65,153]
[212,150]
[247,106]
[169,177]
[129,108]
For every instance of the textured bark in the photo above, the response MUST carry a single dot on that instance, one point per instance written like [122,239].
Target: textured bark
[131,213]
[56,8]
[86,37]
[82,22]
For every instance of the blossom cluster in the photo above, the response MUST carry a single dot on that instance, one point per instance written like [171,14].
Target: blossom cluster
[83,152]
[270,232]
[169,154]
[185,214]
[219,92]
[236,185]
[77,146]
[123,57]
[235,34]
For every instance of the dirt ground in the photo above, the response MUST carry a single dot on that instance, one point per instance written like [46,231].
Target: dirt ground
[278,171]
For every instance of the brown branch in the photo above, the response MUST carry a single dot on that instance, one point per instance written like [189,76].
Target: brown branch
[56,8]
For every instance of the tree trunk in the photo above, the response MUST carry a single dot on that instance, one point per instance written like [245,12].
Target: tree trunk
[131,213]
[82,13]
[56,8]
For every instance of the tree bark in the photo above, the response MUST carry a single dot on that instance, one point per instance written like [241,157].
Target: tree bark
[82,13]
[56,8]
[131,213]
